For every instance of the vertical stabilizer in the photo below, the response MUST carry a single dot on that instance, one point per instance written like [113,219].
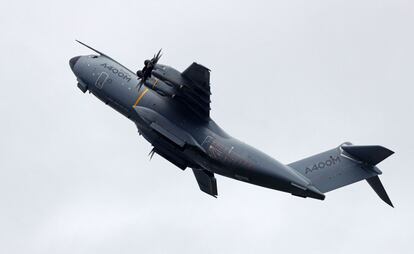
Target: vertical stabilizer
[345,165]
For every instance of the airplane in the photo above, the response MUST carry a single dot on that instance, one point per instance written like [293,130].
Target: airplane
[171,110]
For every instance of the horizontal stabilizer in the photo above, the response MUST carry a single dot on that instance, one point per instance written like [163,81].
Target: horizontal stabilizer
[376,184]
[371,155]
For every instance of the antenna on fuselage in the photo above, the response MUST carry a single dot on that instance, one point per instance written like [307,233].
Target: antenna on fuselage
[89,47]
[102,54]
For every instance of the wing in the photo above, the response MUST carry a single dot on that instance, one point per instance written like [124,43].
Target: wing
[192,87]
[195,92]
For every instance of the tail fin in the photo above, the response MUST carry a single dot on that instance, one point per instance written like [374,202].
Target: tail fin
[345,165]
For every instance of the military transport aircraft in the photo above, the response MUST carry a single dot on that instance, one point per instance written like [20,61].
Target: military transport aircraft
[171,110]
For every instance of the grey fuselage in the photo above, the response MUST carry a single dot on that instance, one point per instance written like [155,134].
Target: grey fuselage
[174,130]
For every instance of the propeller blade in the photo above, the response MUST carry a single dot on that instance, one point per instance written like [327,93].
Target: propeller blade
[151,153]
[158,56]
[145,73]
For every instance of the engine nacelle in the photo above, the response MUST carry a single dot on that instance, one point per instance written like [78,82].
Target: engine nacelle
[161,87]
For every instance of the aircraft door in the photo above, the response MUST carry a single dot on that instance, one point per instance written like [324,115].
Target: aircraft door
[103,77]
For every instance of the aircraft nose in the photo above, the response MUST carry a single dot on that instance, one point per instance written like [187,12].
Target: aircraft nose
[73,61]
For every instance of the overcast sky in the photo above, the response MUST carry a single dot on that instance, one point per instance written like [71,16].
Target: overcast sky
[292,78]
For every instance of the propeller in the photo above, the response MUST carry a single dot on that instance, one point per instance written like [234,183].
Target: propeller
[151,153]
[149,65]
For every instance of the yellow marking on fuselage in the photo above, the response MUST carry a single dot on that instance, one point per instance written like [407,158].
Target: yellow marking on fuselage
[155,83]
[140,97]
